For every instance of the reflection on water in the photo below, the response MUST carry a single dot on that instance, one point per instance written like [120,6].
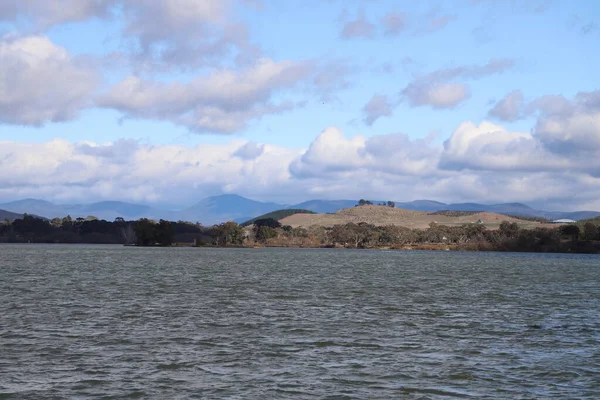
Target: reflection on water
[83,321]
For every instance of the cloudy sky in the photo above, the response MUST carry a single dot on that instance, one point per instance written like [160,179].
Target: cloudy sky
[168,101]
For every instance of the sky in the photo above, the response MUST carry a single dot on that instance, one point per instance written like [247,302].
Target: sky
[165,102]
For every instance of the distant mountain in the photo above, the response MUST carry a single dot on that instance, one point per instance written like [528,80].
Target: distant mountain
[108,210]
[226,207]
[422,205]
[231,207]
[522,209]
[34,206]
[325,206]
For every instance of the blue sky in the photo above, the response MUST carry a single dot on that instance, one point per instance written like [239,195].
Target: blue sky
[475,100]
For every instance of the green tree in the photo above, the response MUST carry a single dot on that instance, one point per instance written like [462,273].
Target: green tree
[227,233]
[268,222]
[263,232]
[510,230]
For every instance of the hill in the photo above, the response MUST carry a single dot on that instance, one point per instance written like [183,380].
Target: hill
[227,207]
[379,215]
[236,208]
[108,210]
[278,215]
[7,215]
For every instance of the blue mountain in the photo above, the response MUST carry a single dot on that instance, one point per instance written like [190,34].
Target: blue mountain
[231,207]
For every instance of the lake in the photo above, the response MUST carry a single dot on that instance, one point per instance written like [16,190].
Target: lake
[177,323]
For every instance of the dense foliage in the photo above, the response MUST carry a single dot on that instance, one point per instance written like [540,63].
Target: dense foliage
[509,237]
[583,237]
[143,232]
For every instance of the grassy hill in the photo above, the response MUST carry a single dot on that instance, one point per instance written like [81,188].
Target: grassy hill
[379,216]
[278,214]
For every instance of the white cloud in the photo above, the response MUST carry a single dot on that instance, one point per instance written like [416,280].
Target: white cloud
[41,82]
[379,106]
[45,14]
[510,108]
[577,133]
[187,32]
[437,95]
[438,89]
[483,163]
[224,101]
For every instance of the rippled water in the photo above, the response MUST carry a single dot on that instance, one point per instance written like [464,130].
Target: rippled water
[122,322]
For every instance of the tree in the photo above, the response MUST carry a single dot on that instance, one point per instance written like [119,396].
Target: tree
[590,231]
[56,222]
[227,233]
[268,222]
[391,204]
[510,230]
[264,232]
[571,231]
[144,232]
[164,233]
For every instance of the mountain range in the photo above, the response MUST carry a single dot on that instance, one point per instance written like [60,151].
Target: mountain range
[231,207]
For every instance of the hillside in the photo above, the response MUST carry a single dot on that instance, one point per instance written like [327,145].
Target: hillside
[7,215]
[379,215]
[278,215]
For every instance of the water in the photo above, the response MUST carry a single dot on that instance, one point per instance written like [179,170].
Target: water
[119,322]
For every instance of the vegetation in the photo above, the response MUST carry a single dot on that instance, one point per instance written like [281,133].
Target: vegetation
[363,202]
[453,213]
[278,215]
[583,237]
[143,232]
[531,218]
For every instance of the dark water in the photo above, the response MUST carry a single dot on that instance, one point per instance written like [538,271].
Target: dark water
[116,322]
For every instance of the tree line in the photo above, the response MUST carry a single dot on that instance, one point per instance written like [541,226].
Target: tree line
[583,237]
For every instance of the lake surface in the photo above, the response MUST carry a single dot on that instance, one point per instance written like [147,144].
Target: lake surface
[178,323]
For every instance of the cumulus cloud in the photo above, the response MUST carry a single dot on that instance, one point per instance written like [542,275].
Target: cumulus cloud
[331,154]
[250,151]
[576,133]
[128,170]
[225,101]
[479,162]
[562,125]
[379,106]
[438,89]
[41,82]
[510,108]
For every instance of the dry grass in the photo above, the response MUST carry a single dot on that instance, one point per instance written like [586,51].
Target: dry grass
[380,215]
